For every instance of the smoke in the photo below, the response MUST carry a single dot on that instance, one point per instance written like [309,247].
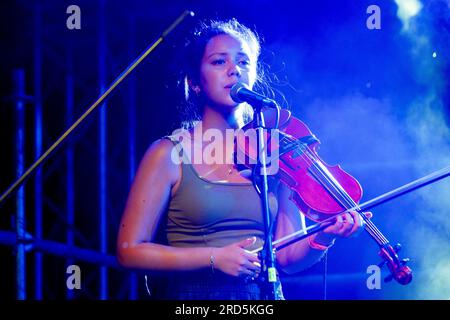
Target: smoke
[396,131]
[429,228]
[426,125]
[407,9]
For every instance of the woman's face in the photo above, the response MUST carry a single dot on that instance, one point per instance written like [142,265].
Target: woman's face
[226,60]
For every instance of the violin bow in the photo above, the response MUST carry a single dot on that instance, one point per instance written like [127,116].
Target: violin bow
[388,196]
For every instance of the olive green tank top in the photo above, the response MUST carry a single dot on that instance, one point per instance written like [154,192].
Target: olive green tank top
[205,213]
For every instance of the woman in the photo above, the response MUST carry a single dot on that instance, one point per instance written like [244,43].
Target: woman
[209,211]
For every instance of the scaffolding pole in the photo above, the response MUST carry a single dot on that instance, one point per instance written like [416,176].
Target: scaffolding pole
[62,250]
[102,56]
[70,176]
[19,97]
[38,192]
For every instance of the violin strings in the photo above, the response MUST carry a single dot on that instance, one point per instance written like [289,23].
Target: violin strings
[329,182]
[311,163]
[346,201]
[345,197]
[350,204]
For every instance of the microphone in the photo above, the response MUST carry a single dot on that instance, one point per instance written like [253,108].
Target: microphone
[241,93]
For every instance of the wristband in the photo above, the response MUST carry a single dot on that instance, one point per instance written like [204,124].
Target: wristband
[318,246]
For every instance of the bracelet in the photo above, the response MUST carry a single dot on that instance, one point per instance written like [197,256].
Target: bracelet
[211,261]
[318,246]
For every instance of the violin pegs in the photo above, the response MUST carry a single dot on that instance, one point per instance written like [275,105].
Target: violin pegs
[397,247]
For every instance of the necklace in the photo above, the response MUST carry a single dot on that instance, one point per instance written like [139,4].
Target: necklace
[229,164]
[229,170]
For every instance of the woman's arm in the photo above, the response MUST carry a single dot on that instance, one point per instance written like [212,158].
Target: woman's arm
[298,256]
[156,180]
[148,198]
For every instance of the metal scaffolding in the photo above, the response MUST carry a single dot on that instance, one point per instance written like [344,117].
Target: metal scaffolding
[75,245]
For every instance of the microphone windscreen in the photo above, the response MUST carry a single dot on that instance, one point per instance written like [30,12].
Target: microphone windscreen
[234,92]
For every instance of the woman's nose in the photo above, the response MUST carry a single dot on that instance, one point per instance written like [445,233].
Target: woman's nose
[234,71]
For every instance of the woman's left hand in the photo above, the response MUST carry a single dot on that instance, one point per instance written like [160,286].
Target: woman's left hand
[346,225]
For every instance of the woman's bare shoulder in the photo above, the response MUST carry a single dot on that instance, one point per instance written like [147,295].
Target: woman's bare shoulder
[162,148]
[161,157]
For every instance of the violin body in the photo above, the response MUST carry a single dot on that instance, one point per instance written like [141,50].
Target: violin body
[299,169]
[320,191]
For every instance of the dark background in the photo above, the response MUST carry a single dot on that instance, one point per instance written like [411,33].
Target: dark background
[377,99]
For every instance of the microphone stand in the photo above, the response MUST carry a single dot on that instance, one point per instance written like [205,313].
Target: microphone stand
[116,82]
[270,279]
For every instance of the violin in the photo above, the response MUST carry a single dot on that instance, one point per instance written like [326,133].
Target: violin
[320,191]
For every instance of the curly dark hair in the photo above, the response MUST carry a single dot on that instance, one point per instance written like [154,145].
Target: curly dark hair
[193,53]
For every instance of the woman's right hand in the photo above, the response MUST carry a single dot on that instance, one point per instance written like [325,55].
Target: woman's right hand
[236,261]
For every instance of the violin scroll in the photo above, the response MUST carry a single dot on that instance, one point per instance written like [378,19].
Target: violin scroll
[398,268]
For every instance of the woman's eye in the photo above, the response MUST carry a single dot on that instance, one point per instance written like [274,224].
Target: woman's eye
[244,62]
[218,62]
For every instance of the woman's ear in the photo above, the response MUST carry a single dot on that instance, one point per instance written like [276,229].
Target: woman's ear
[194,86]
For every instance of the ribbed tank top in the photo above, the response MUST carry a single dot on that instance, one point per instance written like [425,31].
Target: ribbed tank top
[205,213]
